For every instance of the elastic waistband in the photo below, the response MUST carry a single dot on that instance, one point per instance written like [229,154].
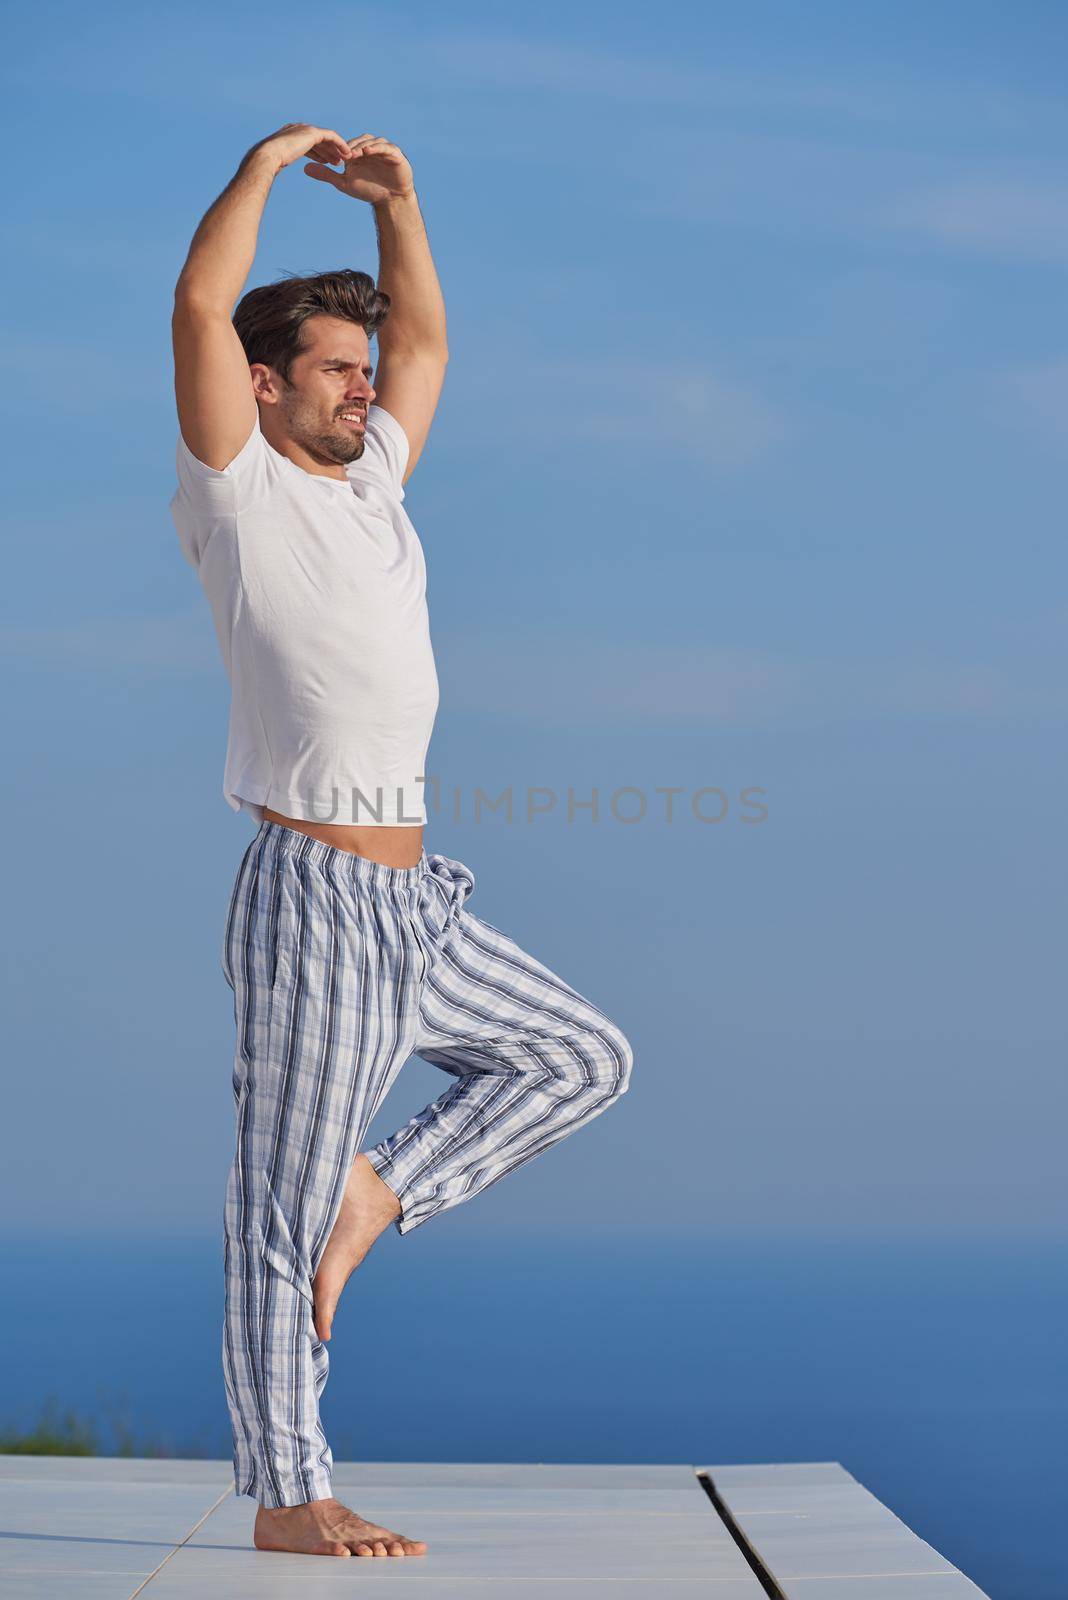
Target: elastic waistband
[291,842]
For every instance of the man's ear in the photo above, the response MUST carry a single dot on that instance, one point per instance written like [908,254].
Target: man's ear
[265,383]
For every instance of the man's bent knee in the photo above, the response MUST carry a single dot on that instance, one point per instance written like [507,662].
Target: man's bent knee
[615,1060]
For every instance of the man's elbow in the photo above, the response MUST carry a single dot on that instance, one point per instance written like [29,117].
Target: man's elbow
[192,299]
[420,352]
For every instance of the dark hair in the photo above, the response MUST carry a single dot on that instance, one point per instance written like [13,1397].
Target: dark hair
[269,320]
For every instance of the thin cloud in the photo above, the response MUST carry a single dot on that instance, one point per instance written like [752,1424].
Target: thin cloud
[682,410]
[569,681]
[674,409]
[182,642]
[1016,218]
[513,62]
[1034,395]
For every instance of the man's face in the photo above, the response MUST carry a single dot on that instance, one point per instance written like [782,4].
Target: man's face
[324,409]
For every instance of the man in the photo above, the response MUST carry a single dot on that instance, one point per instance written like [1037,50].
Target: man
[348,948]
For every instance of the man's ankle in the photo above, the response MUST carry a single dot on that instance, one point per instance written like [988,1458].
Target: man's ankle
[304,1504]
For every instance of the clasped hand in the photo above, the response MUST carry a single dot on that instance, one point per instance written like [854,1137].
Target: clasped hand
[373,169]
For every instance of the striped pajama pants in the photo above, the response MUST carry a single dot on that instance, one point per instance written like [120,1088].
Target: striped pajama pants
[341,969]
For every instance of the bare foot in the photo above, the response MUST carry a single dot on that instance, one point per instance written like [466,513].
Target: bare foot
[327,1528]
[369,1206]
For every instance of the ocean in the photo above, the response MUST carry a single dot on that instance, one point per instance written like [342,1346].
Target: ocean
[933,1371]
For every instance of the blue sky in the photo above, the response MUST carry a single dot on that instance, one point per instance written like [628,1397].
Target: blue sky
[748,473]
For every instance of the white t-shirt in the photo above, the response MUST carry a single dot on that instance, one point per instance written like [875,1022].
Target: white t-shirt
[318,590]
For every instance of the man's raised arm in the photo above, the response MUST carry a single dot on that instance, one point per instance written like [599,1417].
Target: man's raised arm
[216,406]
[412,344]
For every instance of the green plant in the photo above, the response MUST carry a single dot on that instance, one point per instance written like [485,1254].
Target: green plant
[56,1433]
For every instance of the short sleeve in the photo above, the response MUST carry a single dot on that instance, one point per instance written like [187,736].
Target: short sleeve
[385,451]
[207,496]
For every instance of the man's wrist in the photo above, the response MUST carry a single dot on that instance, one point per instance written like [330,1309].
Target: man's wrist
[262,161]
[398,202]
